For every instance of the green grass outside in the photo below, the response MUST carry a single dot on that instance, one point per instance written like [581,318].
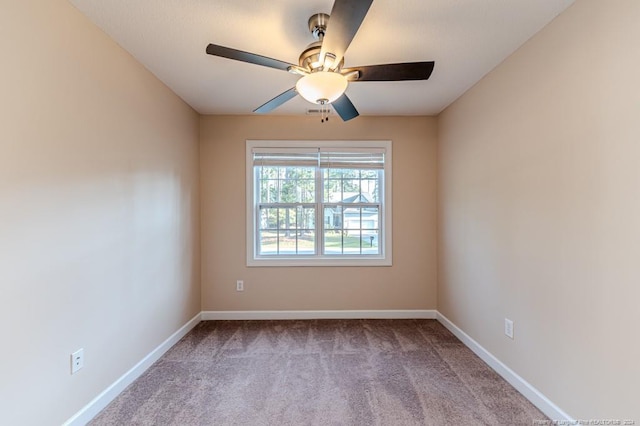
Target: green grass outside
[306,241]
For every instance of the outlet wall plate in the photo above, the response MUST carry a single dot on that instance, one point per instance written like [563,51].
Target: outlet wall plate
[239,285]
[77,360]
[508,328]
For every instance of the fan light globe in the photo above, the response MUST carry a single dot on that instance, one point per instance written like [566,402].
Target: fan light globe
[322,87]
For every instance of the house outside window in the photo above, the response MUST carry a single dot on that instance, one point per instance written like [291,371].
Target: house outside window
[318,203]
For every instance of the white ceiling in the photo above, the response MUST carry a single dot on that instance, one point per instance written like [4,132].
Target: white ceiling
[465,38]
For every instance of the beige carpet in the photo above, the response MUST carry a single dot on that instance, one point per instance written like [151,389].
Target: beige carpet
[319,372]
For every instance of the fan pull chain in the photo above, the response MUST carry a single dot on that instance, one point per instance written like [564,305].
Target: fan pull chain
[324,111]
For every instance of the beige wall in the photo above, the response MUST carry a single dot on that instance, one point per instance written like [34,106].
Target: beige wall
[409,284]
[98,211]
[539,209]
[539,206]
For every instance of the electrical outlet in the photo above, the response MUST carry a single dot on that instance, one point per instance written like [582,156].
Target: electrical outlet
[239,285]
[508,328]
[77,361]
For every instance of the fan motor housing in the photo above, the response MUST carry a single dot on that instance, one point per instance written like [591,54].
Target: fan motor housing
[310,58]
[318,25]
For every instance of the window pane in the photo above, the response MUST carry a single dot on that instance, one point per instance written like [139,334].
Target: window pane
[351,186]
[351,242]
[370,218]
[369,174]
[296,242]
[286,244]
[351,230]
[268,218]
[370,243]
[333,241]
[286,230]
[267,243]
[332,190]
[370,188]
[268,191]
[350,173]
[306,218]
[297,185]
[286,184]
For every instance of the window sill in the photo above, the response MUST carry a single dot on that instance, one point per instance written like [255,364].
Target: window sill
[317,262]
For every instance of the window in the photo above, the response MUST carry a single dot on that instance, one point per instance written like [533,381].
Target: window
[318,203]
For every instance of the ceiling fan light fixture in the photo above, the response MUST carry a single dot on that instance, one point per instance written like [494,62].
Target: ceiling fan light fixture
[322,87]
[321,64]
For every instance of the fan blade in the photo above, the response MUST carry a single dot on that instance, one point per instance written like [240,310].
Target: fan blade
[277,101]
[252,58]
[393,72]
[344,22]
[345,108]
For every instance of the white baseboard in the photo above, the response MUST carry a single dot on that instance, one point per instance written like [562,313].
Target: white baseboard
[337,314]
[87,413]
[532,394]
[90,410]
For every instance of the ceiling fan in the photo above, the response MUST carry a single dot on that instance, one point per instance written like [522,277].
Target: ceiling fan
[324,80]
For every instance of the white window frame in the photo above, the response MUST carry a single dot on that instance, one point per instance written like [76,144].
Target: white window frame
[386,245]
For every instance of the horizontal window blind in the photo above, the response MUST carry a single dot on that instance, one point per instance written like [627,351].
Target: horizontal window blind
[365,159]
[369,159]
[285,157]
